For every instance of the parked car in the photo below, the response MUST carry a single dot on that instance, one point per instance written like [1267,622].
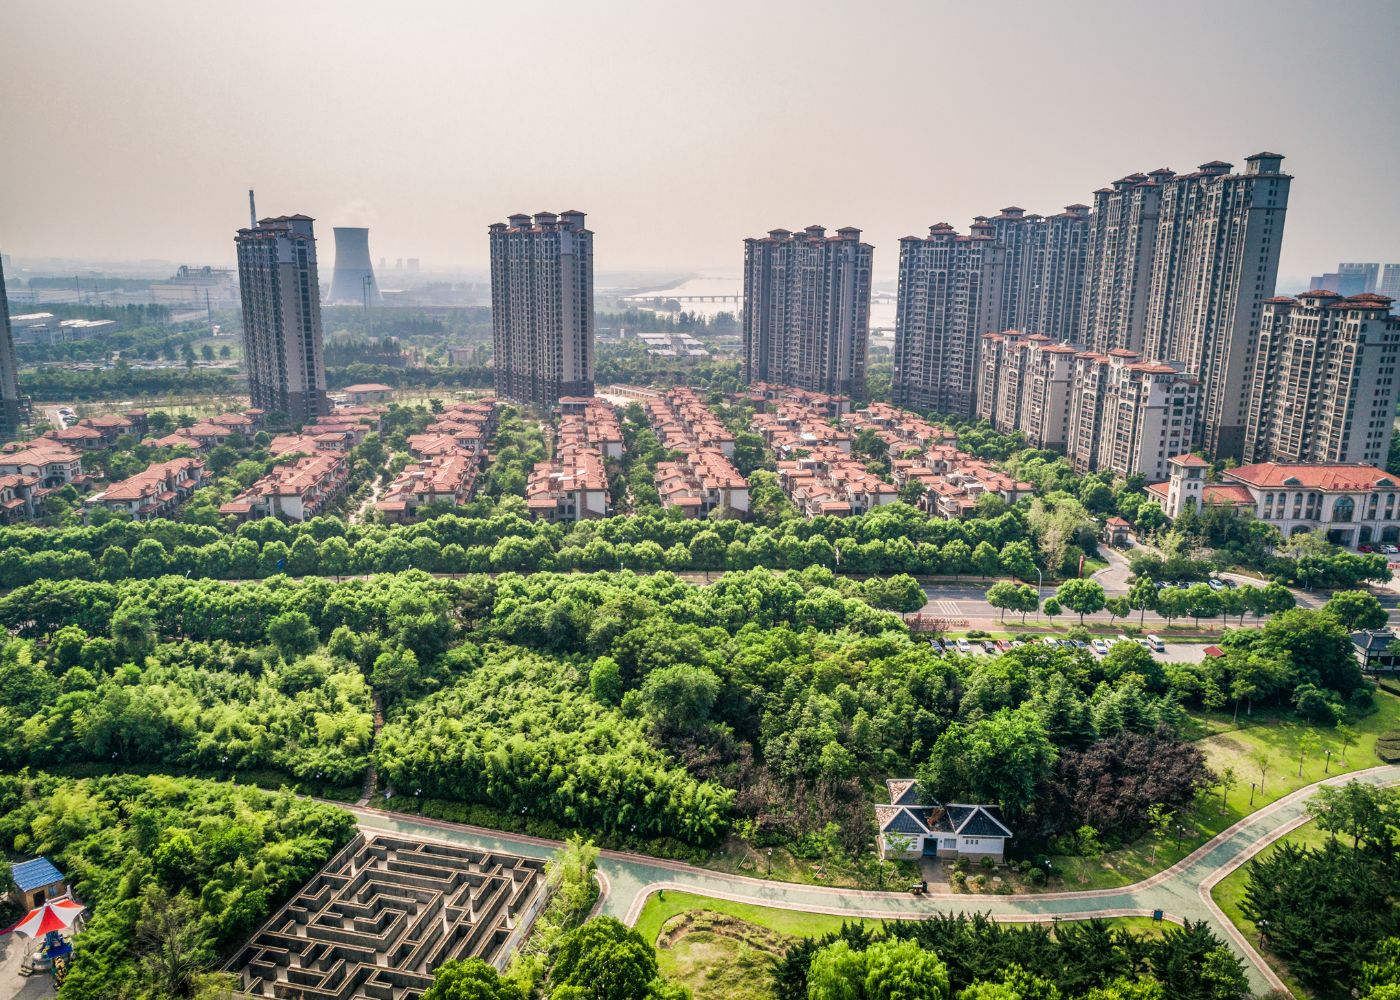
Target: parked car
[1156,644]
[1389,550]
[1100,647]
[1214,584]
[1145,644]
[1002,645]
[964,646]
[1080,644]
[1017,643]
[1364,548]
[990,647]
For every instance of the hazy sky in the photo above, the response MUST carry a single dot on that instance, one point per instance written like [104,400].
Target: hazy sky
[133,129]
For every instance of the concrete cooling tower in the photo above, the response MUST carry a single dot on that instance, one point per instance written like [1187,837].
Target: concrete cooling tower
[352,268]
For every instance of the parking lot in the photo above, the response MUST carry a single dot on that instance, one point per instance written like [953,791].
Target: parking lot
[1171,652]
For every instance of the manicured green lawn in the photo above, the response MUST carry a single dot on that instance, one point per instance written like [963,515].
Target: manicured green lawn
[792,923]
[1233,744]
[1229,896]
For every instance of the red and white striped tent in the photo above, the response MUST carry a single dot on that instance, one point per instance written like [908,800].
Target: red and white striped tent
[55,915]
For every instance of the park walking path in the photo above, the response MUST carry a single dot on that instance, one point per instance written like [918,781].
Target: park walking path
[1182,891]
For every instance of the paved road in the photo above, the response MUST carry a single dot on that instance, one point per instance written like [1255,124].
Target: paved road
[1182,891]
[957,601]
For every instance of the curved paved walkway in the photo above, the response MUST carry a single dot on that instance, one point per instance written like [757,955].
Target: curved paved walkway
[1182,891]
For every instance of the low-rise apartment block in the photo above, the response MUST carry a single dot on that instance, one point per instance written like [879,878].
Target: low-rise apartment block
[571,487]
[1351,504]
[293,491]
[156,492]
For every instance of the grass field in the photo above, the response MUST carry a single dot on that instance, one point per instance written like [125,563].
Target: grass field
[1234,744]
[1229,896]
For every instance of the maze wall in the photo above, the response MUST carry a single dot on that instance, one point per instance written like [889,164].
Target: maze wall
[385,912]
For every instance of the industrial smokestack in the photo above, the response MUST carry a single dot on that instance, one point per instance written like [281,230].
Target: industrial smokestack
[252,211]
[354,275]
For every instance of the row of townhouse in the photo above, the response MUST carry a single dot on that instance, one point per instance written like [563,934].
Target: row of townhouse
[52,464]
[684,423]
[703,478]
[449,456]
[155,492]
[587,420]
[296,490]
[954,481]
[208,434]
[899,429]
[791,428]
[764,394]
[828,481]
[314,470]
[573,486]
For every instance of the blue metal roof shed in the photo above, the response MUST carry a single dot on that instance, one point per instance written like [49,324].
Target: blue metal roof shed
[35,874]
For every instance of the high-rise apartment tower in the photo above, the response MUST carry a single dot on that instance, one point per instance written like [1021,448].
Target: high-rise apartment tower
[1179,266]
[278,283]
[949,295]
[807,309]
[542,307]
[1325,380]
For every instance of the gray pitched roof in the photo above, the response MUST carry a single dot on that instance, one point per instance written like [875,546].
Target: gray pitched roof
[982,821]
[903,791]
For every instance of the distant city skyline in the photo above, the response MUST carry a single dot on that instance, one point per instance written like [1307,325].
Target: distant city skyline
[423,129]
